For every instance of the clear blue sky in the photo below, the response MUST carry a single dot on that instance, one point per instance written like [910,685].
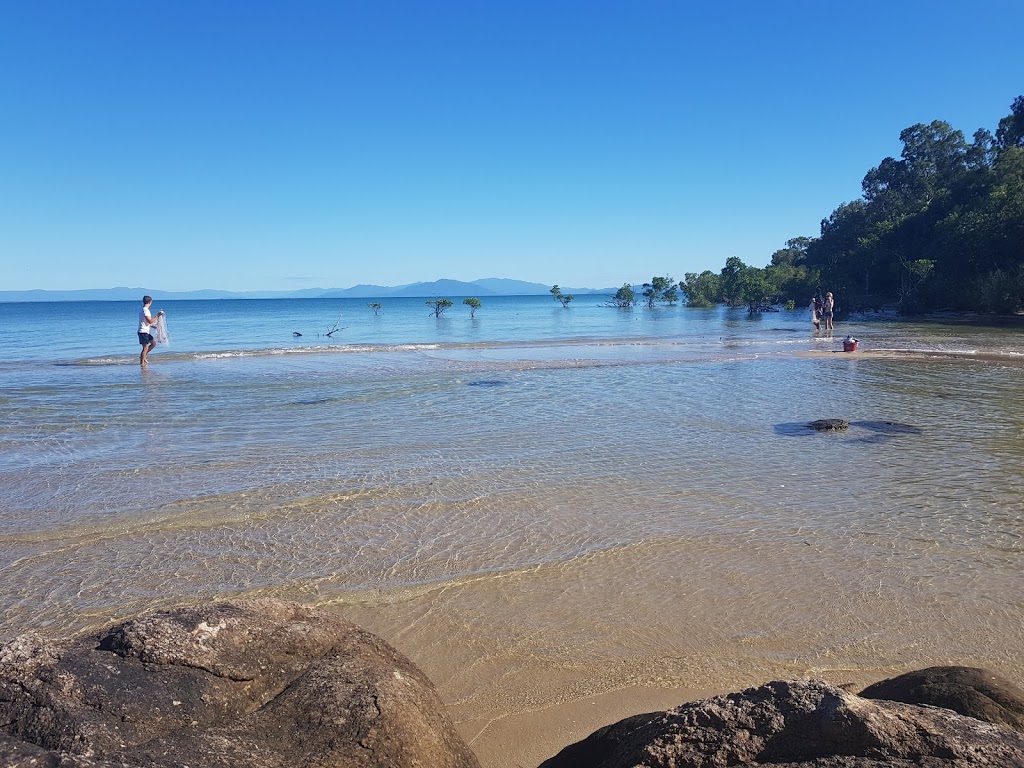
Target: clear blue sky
[284,145]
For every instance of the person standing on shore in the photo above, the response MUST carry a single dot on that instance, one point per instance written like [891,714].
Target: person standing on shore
[145,325]
[827,308]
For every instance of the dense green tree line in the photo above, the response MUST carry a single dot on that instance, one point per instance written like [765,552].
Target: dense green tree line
[940,227]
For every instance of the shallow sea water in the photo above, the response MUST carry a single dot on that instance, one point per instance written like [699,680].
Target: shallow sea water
[536,505]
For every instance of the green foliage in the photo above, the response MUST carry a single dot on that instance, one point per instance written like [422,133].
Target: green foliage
[729,289]
[563,298]
[700,302]
[912,277]
[660,290]
[755,290]
[741,284]
[793,254]
[1001,291]
[439,306]
[473,304]
[701,290]
[625,297]
[988,235]
[942,226]
[792,281]
[375,306]
[1010,132]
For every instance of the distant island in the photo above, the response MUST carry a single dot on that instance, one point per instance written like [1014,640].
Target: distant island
[491,286]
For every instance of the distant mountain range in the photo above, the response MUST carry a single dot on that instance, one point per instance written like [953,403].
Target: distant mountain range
[490,286]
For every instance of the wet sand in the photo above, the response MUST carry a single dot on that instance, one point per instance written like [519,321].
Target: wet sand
[901,354]
[529,738]
[534,660]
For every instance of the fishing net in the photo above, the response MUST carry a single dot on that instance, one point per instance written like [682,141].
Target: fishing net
[159,331]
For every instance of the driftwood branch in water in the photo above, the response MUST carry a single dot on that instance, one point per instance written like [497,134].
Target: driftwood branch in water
[337,327]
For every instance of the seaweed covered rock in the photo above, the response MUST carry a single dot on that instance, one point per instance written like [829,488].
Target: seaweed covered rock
[829,425]
[247,684]
[793,724]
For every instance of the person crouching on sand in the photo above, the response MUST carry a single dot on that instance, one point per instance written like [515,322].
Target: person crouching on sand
[145,323]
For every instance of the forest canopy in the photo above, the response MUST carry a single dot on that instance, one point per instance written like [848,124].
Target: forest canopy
[940,227]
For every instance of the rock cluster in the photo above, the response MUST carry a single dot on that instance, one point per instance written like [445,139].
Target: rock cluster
[245,684]
[968,690]
[795,724]
[264,683]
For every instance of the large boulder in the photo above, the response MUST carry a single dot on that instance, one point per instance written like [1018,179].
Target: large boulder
[796,724]
[245,684]
[968,690]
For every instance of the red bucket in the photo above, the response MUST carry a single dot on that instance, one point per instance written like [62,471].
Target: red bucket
[849,345]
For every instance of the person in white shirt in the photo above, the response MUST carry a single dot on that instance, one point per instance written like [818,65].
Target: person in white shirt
[145,324]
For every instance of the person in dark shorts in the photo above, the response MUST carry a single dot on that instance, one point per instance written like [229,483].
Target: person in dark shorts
[827,309]
[145,324]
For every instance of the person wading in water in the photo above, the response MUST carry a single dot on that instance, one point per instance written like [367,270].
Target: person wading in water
[145,324]
[827,308]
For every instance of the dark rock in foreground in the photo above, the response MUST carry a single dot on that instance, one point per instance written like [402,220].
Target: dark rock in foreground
[796,724]
[829,425]
[968,690]
[244,684]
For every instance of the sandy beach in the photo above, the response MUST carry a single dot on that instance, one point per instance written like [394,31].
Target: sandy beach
[535,660]
[525,740]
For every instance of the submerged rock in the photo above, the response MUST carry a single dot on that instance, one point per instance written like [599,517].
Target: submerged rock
[246,684]
[877,431]
[970,691]
[829,425]
[795,724]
